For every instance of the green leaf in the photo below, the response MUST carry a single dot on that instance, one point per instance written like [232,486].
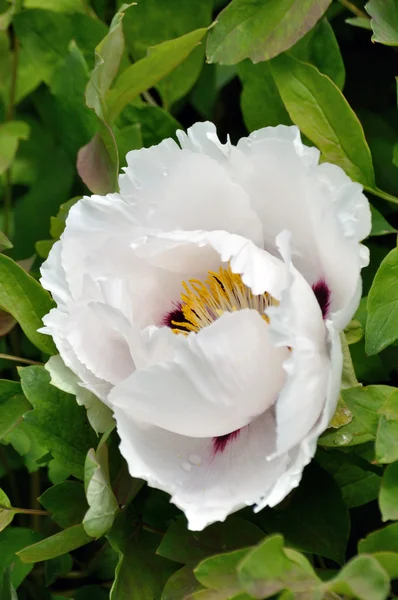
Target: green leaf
[261,29]
[320,48]
[383,540]
[386,449]
[23,298]
[98,414]
[57,567]
[384,21]
[181,584]
[185,546]
[382,322]
[13,405]
[10,135]
[365,402]
[52,409]
[98,162]
[6,512]
[361,22]
[314,518]
[66,502]
[389,493]
[379,224]
[139,573]
[151,23]
[7,590]
[102,502]
[260,101]
[357,478]
[147,72]
[389,562]
[13,539]
[267,570]
[154,122]
[44,37]
[5,243]
[322,113]
[55,545]
[354,332]
[220,572]
[108,55]
[362,578]
[62,108]
[128,138]
[62,6]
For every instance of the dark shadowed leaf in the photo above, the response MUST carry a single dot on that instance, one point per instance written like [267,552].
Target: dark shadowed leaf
[66,502]
[389,493]
[185,546]
[55,545]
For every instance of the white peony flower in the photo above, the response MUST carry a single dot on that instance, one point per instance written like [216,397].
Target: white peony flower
[203,304]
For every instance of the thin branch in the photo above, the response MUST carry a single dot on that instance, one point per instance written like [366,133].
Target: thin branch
[149,98]
[25,511]
[9,117]
[354,9]
[25,361]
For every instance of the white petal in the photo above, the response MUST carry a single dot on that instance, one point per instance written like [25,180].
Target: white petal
[98,414]
[170,188]
[205,484]
[217,381]
[324,210]
[53,276]
[297,323]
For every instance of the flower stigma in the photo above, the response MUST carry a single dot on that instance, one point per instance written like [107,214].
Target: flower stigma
[202,302]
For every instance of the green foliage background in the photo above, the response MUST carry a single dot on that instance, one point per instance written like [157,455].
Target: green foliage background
[81,83]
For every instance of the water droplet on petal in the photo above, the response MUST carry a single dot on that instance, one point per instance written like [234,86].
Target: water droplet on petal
[254,135]
[195,460]
[186,466]
[165,172]
[249,142]
[342,438]
[137,183]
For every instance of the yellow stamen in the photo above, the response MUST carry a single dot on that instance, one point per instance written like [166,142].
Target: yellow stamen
[222,291]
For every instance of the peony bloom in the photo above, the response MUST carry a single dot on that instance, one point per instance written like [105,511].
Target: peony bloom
[203,305]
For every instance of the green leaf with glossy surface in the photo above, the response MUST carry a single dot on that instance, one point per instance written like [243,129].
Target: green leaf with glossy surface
[55,545]
[13,405]
[382,322]
[184,546]
[52,409]
[10,135]
[66,502]
[24,298]
[101,500]
[261,29]
[388,498]
[322,113]
[181,584]
[147,72]
[384,21]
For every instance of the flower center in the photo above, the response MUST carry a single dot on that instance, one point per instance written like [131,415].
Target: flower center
[202,302]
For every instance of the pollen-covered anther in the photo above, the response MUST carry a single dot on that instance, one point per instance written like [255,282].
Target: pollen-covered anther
[202,302]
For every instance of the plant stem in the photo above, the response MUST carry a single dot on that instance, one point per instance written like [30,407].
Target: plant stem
[25,511]
[9,117]
[354,9]
[19,359]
